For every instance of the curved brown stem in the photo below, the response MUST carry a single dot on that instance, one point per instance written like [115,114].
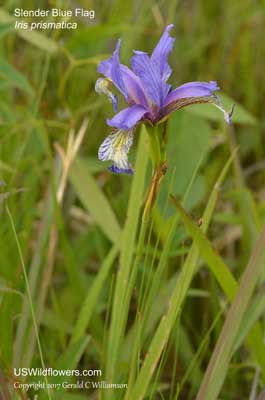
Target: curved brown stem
[157,177]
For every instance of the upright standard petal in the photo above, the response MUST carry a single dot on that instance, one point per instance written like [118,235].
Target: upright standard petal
[134,87]
[150,76]
[127,118]
[116,147]
[124,79]
[161,52]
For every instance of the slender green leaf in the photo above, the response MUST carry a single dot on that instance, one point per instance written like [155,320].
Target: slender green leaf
[219,363]
[120,307]
[175,303]
[94,199]
[7,321]
[88,307]
[255,311]
[15,78]
[215,262]
[225,279]
[70,358]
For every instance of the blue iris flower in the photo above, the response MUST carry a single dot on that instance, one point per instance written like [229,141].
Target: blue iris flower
[149,97]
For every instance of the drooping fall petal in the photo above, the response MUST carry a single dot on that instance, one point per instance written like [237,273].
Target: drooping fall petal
[192,89]
[116,147]
[127,118]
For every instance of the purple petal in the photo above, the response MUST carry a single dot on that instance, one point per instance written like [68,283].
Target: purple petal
[113,64]
[150,76]
[124,79]
[161,52]
[194,93]
[116,170]
[134,87]
[127,118]
[192,89]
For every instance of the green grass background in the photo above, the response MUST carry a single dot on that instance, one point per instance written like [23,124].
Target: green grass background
[174,310]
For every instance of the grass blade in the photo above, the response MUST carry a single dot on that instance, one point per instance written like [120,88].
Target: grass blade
[225,279]
[94,199]
[90,302]
[15,78]
[29,297]
[218,366]
[175,303]
[120,312]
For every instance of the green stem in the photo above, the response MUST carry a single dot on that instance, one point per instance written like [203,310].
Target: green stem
[158,140]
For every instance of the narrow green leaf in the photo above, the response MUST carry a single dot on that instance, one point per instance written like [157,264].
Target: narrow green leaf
[15,78]
[69,361]
[91,299]
[175,303]
[218,365]
[29,295]
[34,273]
[225,279]
[255,311]
[70,358]
[215,262]
[94,199]
[6,334]
[249,215]
[122,292]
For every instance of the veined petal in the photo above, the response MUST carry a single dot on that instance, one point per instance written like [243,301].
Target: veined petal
[127,118]
[211,98]
[116,147]
[135,90]
[128,83]
[192,89]
[183,102]
[161,52]
[150,76]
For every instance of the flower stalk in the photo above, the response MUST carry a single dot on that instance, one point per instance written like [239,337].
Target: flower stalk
[158,141]
[156,180]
